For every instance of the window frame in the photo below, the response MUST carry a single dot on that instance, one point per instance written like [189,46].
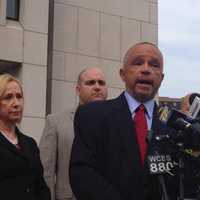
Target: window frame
[15,10]
[3,12]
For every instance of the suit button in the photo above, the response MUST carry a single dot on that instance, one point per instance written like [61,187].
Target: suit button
[27,189]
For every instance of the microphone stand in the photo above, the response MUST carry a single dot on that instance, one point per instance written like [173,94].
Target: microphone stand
[181,178]
[161,179]
[181,173]
[162,183]
[163,186]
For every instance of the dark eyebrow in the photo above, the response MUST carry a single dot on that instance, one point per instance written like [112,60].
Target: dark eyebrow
[155,61]
[152,61]
[136,59]
[92,82]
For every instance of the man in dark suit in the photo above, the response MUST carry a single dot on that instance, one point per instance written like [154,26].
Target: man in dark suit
[108,158]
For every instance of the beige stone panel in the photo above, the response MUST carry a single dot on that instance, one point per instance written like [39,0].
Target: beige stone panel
[65,28]
[114,92]
[112,7]
[35,48]
[110,37]
[32,127]
[111,68]
[74,64]
[11,40]
[130,34]
[58,68]
[88,34]
[91,4]
[35,15]
[154,13]
[135,9]
[63,95]
[34,85]
[149,33]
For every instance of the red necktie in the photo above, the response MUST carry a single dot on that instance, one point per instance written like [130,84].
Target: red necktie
[141,130]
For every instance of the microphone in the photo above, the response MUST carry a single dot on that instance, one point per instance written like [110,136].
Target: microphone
[178,120]
[187,126]
[195,107]
[162,137]
[187,129]
[159,162]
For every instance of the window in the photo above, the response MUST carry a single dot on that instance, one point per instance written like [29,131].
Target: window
[12,9]
[10,67]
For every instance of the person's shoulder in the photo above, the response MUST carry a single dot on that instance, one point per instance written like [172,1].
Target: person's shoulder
[97,109]
[26,137]
[97,105]
[61,115]
[104,105]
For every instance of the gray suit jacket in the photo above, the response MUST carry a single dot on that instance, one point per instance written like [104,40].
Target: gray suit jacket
[55,148]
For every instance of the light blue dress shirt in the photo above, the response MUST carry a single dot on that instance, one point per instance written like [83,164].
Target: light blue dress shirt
[133,104]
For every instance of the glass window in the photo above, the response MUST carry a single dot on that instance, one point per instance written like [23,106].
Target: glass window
[12,9]
[10,67]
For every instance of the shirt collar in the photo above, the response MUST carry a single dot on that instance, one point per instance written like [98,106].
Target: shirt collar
[133,104]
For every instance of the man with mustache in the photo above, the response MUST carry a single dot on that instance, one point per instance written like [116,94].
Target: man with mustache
[58,134]
[108,159]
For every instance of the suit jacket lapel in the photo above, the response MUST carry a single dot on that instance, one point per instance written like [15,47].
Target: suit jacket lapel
[25,145]
[157,129]
[122,118]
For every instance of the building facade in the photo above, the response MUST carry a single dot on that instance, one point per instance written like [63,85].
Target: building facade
[170,102]
[51,41]
[23,52]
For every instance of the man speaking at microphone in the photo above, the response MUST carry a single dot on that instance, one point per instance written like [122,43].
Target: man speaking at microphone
[108,159]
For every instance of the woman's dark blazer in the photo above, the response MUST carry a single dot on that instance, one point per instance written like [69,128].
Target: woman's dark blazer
[21,172]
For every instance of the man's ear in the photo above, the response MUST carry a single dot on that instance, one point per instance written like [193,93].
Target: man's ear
[163,75]
[122,74]
[77,90]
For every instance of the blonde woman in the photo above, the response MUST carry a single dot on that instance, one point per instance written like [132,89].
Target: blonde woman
[21,172]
